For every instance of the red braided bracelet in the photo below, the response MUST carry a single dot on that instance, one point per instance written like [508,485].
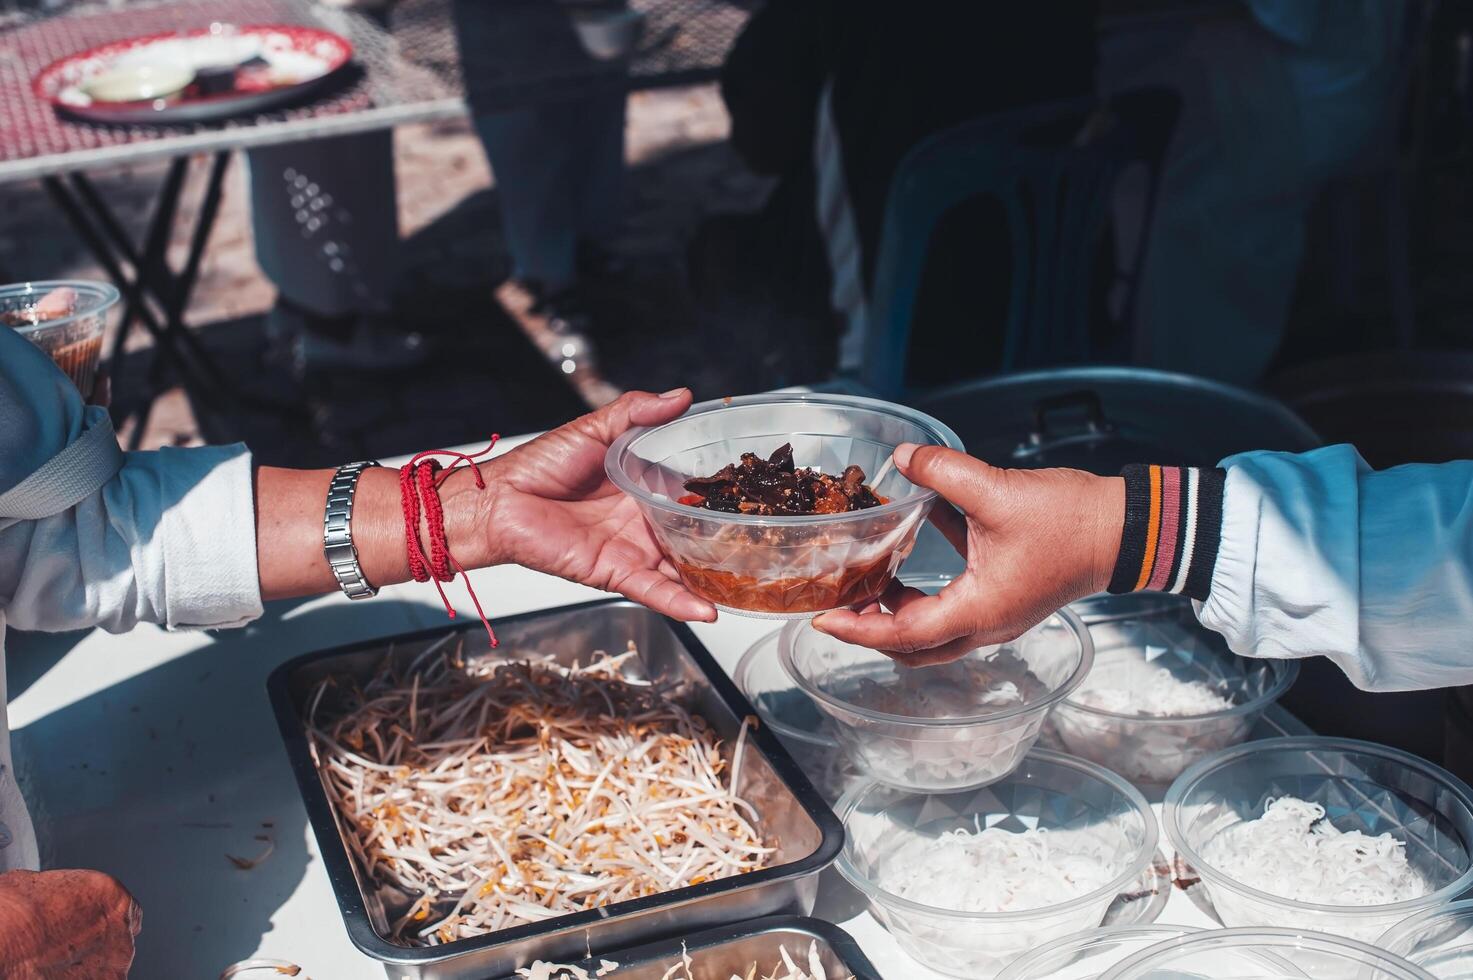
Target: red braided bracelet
[419,486]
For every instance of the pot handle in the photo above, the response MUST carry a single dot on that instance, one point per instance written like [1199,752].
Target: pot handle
[1095,424]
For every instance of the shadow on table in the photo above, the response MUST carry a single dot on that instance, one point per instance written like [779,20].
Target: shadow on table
[157,779]
[28,656]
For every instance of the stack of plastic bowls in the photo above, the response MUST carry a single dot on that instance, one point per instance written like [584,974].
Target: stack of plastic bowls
[805,731]
[1085,955]
[1264,954]
[1439,941]
[957,726]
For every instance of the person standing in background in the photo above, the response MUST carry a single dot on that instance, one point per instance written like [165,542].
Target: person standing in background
[837,94]
[325,216]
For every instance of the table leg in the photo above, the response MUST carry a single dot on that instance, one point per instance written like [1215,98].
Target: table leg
[136,307]
[154,284]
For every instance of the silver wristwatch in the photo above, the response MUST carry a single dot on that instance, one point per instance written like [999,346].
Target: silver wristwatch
[337,531]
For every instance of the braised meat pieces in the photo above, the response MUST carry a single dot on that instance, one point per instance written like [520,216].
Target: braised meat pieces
[775,487]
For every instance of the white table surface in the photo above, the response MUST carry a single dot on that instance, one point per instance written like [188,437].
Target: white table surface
[153,755]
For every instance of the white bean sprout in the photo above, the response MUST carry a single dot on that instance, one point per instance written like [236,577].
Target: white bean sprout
[505,792]
[786,969]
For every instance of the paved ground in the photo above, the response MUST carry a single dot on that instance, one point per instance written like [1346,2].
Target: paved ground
[654,328]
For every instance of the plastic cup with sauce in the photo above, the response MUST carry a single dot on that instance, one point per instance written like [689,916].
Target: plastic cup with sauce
[65,318]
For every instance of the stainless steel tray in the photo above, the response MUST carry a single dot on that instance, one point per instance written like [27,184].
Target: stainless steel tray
[728,951]
[806,833]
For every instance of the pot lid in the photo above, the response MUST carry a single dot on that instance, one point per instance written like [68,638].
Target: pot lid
[1100,419]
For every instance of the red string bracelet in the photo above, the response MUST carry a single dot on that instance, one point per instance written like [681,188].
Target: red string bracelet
[419,488]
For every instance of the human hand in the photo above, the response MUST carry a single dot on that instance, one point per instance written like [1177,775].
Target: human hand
[1034,541]
[553,509]
[66,925]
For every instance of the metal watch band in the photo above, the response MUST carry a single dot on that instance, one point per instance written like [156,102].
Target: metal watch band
[337,531]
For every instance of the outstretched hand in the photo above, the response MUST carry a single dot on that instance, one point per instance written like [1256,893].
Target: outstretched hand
[1034,541]
[66,925]
[555,510]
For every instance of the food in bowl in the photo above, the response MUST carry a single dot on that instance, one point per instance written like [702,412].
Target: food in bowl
[1292,851]
[949,727]
[1038,855]
[501,793]
[1161,694]
[783,565]
[1374,798]
[1164,691]
[775,486]
[972,869]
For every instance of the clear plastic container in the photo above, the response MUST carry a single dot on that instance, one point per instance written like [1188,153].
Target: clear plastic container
[780,567]
[805,731]
[935,729]
[1139,640]
[1050,792]
[1085,955]
[1362,786]
[73,339]
[1439,941]
[1263,954]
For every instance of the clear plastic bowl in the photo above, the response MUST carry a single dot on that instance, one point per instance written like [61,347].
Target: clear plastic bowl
[1085,955]
[1362,786]
[1135,637]
[930,729]
[1439,941]
[1264,954]
[780,567]
[805,732]
[73,341]
[1049,791]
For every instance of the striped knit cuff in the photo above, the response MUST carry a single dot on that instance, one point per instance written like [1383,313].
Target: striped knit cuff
[1173,524]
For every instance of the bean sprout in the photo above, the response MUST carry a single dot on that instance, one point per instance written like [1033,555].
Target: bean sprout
[787,969]
[505,792]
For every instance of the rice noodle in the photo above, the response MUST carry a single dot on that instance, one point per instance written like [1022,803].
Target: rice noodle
[1161,694]
[996,870]
[1293,852]
[787,969]
[507,792]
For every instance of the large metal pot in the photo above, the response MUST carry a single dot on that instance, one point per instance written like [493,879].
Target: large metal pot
[1099,419]
[1395,407]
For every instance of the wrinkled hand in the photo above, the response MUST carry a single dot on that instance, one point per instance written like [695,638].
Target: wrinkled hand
[66,925]
[555,510]
[1034,541]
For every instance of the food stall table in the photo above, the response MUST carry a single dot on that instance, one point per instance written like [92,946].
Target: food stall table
[154,755]
[406,69]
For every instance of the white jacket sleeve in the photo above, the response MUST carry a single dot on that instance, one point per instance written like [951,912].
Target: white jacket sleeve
[1322,556]
[170,539]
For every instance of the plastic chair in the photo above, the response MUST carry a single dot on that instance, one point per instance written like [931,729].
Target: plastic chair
[1388,168]
[1053,168]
